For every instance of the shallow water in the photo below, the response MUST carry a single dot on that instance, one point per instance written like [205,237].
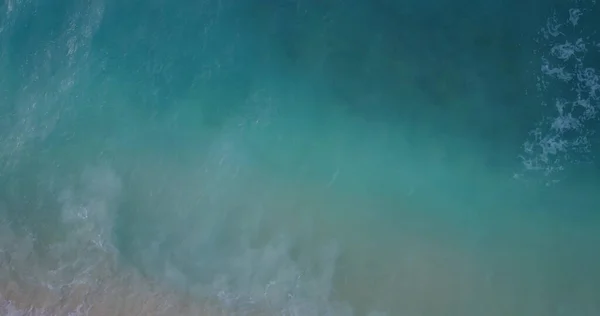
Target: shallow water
[299,158]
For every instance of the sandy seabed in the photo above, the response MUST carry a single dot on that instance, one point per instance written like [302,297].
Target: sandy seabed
[429,279]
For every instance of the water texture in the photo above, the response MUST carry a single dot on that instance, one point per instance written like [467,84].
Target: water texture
[299,157]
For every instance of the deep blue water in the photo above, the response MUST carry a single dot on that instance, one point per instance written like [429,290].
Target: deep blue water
[299,157]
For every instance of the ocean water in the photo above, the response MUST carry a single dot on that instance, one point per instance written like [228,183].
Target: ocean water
[299,157]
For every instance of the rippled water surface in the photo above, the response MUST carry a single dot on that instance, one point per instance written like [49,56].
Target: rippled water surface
[299,157]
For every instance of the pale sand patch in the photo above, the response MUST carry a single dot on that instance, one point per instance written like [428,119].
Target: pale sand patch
[420,263]
[425,274]
[113,298]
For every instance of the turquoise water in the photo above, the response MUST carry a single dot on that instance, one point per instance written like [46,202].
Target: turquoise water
[301,157]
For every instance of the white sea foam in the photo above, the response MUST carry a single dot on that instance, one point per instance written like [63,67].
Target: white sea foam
[570,84]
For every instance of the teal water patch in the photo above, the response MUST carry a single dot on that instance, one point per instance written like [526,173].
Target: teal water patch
[298,158]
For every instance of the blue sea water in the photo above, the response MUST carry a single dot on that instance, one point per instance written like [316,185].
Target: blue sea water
[299,157]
